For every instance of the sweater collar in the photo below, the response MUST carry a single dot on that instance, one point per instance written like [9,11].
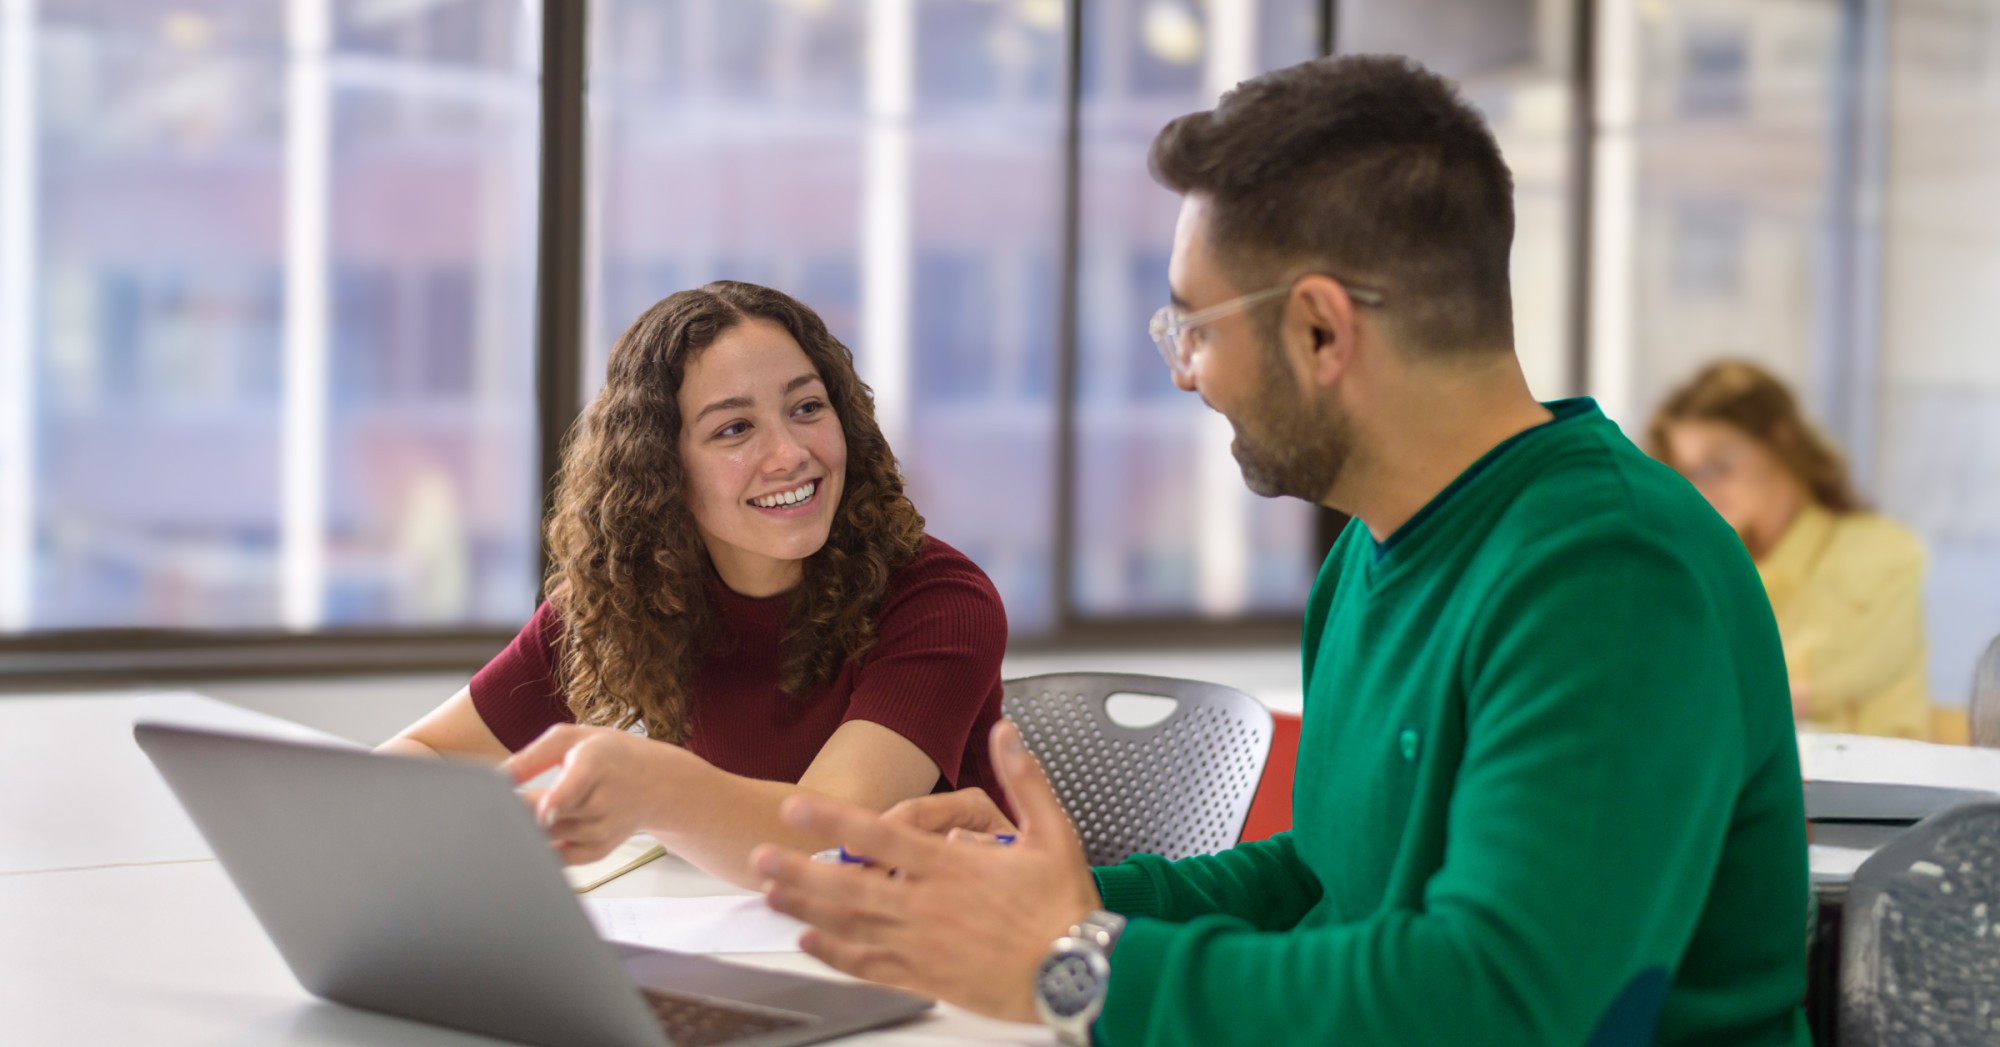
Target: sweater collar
[1564,412]
[756,612]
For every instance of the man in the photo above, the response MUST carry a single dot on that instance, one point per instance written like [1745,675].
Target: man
[1547,787]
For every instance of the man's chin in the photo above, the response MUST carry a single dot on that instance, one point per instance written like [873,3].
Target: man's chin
[1258,479]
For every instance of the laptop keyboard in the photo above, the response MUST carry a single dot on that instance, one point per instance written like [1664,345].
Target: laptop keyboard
[691,1021]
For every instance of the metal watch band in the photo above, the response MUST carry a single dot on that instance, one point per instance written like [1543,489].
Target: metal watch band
[1086,949]
[1102,927]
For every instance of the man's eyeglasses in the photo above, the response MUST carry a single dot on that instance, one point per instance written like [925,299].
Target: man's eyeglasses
[1174,332]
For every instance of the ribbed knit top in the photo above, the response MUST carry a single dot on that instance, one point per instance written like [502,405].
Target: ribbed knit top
[933,676]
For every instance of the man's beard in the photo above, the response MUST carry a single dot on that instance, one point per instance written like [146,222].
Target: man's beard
[1285,446]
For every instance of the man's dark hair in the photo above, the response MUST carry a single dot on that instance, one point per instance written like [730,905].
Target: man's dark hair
[1367,168]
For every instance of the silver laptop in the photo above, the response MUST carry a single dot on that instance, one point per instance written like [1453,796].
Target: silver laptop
[424,889]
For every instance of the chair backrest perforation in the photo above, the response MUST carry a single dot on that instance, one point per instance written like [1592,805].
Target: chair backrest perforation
[1920,955]
[1178,787]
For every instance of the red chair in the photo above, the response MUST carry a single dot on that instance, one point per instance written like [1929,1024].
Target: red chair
[1271,808]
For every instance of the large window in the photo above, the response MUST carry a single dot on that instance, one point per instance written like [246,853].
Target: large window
[267,340]
[269,271]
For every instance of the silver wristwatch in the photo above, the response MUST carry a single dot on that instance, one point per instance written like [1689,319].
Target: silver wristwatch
[1074,976]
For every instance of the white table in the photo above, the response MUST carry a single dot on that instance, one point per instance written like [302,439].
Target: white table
[117,925]
[1898,761]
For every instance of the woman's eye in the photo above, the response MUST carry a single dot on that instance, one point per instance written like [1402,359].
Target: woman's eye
[733,429]
[810,407]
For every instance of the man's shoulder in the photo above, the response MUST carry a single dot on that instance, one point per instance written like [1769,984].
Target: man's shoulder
[1600,492]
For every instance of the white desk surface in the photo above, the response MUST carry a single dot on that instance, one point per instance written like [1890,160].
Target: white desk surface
[1898,761]
[117,926]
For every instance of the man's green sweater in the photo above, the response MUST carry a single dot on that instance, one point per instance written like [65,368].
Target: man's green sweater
[1547,789]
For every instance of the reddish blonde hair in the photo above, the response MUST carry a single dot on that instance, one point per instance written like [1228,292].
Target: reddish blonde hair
[1753,401]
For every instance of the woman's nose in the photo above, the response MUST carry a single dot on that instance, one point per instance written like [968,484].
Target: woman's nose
[784,453]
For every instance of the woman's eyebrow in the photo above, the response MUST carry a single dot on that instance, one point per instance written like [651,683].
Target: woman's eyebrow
[737,403]
[734,403]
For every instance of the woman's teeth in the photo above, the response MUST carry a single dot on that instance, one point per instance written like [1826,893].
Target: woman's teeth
[792,497]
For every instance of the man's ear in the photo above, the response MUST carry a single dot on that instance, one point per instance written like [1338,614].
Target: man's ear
[1319,330]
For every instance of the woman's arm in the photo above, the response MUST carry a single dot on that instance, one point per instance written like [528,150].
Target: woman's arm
[615,783]
[454,728]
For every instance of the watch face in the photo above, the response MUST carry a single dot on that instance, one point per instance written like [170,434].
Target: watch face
[1066,984]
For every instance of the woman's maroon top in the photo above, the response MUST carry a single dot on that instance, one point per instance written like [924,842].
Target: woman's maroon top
[933,677]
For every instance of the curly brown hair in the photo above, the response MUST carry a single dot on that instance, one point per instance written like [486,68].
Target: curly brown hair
[629,574]
[1753,401]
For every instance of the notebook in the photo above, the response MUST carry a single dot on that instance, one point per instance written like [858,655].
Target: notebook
[626,857]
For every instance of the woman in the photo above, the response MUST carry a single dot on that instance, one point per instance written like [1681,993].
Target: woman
[1846,585]
[736,573]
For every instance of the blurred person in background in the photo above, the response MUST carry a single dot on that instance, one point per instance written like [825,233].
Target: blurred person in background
[741,603]
[1846,584]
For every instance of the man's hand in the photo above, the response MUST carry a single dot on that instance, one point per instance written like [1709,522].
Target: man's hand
[968,924]
[968,814]
[611,785]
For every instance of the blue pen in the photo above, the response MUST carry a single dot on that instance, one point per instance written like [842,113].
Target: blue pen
[839,854]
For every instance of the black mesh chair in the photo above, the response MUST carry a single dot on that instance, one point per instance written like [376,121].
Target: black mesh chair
[1920,938]
[1985,709]
[1178,787]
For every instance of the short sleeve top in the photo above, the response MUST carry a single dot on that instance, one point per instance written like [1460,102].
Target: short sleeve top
[933,676]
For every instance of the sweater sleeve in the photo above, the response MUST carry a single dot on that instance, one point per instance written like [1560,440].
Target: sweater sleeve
[1261,883]
[1572,879]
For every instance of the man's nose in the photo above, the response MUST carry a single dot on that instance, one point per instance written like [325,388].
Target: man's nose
[1184,379]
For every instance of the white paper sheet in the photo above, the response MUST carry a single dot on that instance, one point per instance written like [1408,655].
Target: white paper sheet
[728,923]
[1828,860]
[1856,758]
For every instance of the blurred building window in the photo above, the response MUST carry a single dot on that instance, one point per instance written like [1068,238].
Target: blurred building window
[1735,140]
[266,274]
[1715,67]
[1163,524]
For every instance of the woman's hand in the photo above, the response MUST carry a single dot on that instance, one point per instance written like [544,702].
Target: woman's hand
[1801,700]
[613,784]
